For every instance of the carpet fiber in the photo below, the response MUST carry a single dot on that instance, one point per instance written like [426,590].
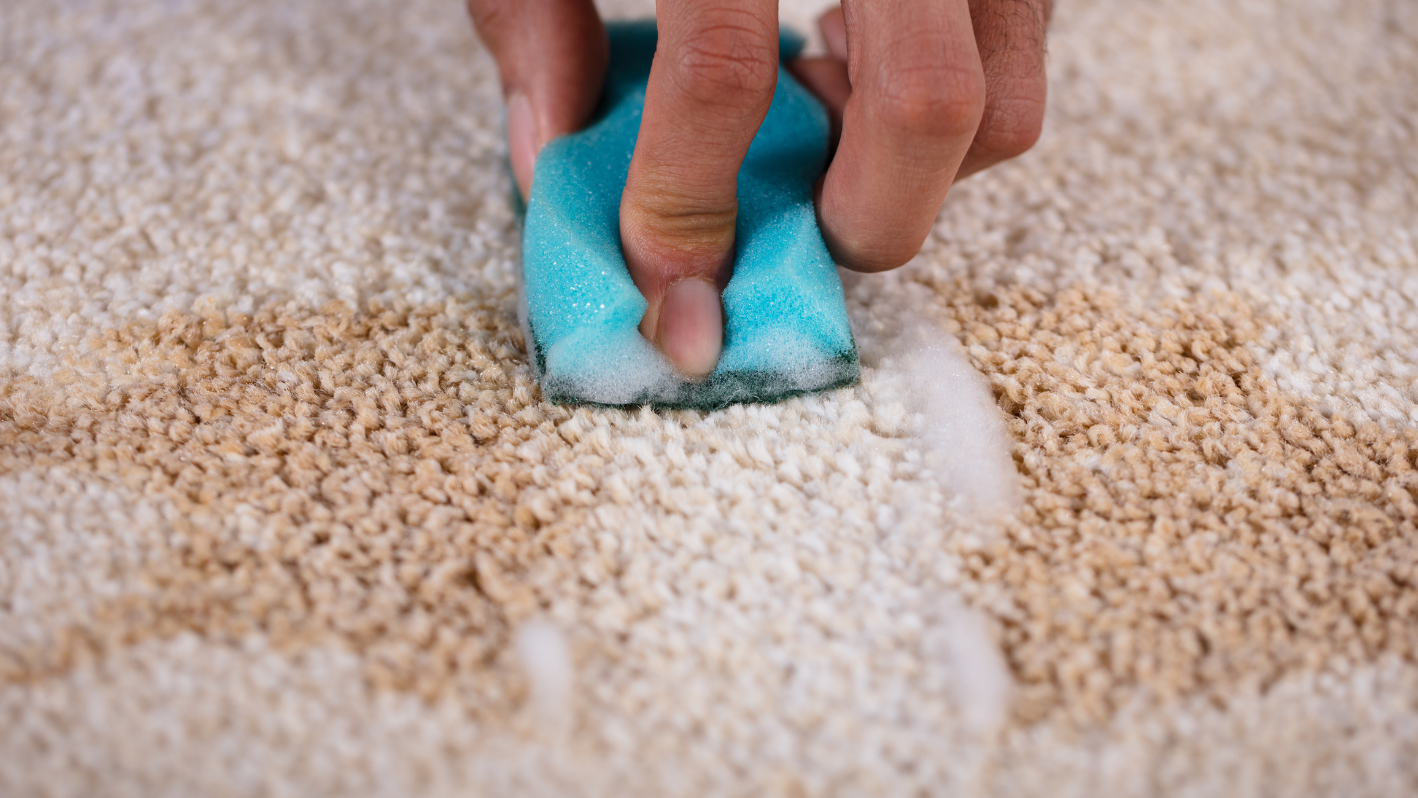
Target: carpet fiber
[1126,503]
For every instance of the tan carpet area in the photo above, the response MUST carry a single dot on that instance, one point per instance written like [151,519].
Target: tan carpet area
[1126,503]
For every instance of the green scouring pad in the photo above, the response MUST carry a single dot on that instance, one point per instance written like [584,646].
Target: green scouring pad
[786,329]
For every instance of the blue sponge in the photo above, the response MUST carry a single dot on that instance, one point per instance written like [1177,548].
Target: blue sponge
[786,328]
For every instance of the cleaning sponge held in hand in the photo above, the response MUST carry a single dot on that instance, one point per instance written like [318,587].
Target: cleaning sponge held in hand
[786,328]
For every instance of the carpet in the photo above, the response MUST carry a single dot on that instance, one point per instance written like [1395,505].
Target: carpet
[1125,503]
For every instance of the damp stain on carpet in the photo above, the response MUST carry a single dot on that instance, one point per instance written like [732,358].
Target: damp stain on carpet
[391,478]
[1188,525]
[366,476]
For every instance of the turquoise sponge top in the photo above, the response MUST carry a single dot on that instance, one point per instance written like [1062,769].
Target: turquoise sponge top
[786,329]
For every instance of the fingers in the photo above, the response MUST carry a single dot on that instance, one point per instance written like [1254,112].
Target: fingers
[1010,36]
[833,24]
[710,87]
[552,58]
[918,92]
[826,76]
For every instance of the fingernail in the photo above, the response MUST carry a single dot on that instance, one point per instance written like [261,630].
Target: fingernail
[522,141]
[692,326]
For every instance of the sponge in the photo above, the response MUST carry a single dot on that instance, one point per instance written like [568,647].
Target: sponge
[785,328]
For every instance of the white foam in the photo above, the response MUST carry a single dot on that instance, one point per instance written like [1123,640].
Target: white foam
[545,658]
[948,403]
[980,681]
[960,424]
[627,368]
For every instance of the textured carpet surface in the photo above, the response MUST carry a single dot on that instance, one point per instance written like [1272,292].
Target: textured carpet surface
[1125,503]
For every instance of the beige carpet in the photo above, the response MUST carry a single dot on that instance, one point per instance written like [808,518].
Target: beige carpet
[1126,504]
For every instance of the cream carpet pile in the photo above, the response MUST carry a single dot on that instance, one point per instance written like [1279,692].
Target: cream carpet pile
[1126,503]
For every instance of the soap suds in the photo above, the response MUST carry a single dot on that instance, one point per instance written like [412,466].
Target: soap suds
[545,657]
[945,402]
[958,422]
[981,682]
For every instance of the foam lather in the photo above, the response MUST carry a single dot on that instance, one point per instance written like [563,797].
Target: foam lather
[786,328]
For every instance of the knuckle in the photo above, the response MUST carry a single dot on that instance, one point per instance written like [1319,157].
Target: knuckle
[933,96]
[933,104]
[871,256]
[673,223]
[729,60]
[489,18]
[1011,126]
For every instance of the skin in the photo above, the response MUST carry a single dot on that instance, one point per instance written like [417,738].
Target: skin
[921,93]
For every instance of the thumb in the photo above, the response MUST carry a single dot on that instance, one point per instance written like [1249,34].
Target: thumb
[552,56]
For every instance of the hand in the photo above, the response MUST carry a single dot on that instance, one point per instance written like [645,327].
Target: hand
[921,92]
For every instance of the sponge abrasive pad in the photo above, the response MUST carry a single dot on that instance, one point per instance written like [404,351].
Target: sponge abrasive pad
[786,329]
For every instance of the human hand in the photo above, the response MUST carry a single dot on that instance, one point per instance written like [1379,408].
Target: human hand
[922,93]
